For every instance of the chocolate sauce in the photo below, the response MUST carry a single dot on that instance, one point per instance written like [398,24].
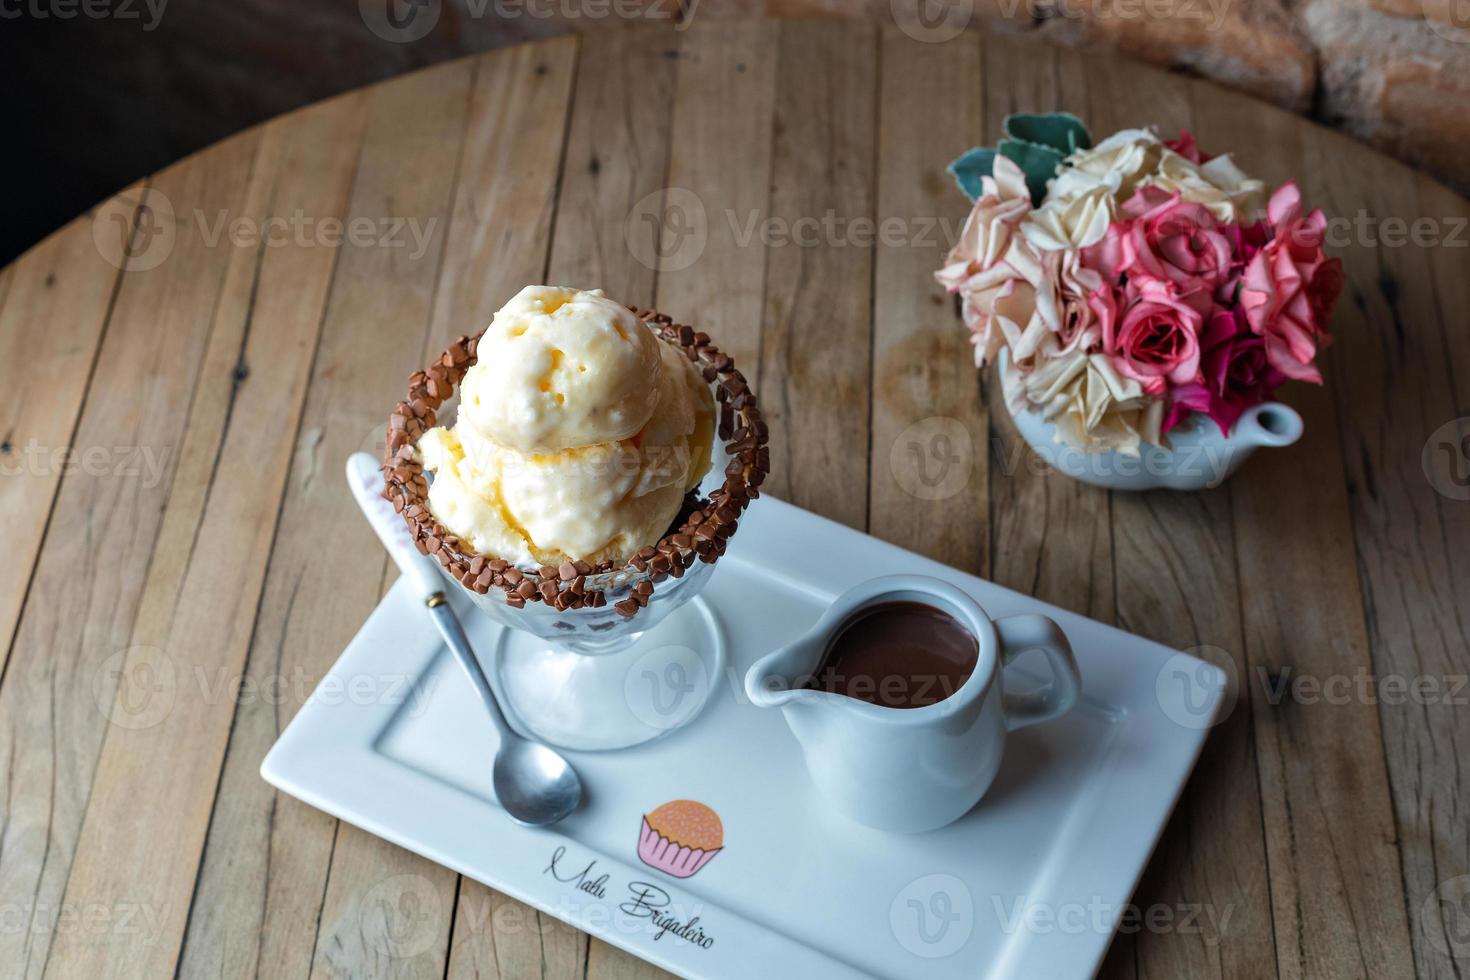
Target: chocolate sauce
[898,655]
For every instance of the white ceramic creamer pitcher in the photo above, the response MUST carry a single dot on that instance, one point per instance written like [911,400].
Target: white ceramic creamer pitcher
[913,769]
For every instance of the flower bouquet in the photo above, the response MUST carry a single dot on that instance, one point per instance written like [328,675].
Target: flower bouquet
[1134,288]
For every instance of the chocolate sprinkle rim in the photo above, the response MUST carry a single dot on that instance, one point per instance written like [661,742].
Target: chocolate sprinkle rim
[703,526]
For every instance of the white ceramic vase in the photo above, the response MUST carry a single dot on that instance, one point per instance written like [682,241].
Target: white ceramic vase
[1200,455]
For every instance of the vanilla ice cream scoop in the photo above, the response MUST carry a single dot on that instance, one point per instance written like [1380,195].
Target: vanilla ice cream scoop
[596,500]
[562,368]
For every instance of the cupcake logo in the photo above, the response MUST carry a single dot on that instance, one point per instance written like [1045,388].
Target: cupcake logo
[680,837]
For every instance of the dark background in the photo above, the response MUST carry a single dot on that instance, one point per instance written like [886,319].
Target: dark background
[94,103]
[101,92]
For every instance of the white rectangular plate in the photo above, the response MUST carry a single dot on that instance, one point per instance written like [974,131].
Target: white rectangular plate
[1031,883]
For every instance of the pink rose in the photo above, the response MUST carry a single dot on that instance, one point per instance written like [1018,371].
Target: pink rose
[1113,254]
[1186,147]
[1290,286]
[1178,242]
[1235,373]
[981,267]
[1166,238]
[1154,338]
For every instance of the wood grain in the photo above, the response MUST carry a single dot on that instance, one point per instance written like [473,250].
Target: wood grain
[929,473]
[615,165]
[1336,890]
[1393,389]
[162,631]
[1436,853]
[54,303]
[498,938]
[508,172]
[815,368]
[265,333]
[1171,549]
[264,873]
[719,180]
[1050,537]
[59,687]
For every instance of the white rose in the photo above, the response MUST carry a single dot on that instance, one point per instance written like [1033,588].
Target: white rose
[1071,223]
[1129,154]
[1219,185]
[1094,408]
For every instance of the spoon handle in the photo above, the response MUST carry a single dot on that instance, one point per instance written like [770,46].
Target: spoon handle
[366,481]
[459,645]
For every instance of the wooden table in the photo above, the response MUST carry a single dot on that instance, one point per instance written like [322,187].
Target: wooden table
[172,590]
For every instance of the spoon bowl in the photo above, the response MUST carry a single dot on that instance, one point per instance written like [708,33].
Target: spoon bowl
[534,784]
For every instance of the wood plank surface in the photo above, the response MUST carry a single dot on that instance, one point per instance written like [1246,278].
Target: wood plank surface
[66,661]
[238,444]
[1336,887]
[782,186]
[1394,388]
[713,264]
[54,302]
[1051,537]
[928,464]
[1426,752]
[1171,549]
[816,364]
[616,163]
[264,873]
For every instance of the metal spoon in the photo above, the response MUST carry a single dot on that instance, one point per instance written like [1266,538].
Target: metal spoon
[533,783]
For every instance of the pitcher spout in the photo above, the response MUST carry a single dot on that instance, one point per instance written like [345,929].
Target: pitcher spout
[777,679]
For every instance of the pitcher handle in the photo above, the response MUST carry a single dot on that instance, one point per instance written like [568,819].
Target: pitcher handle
[1020,634]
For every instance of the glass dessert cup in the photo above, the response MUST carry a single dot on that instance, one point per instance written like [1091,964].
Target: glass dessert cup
[606,657]
[591,679]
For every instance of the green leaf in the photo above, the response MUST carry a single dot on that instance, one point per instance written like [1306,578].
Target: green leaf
[970,169]
[1039,163]
[1061,131]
